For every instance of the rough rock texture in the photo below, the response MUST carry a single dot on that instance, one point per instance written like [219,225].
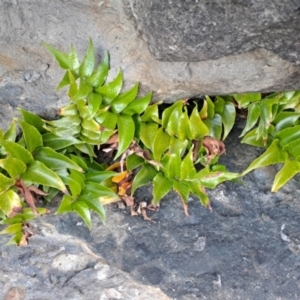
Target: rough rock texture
[203,30]
[248,247]
[205,47]
[58,266]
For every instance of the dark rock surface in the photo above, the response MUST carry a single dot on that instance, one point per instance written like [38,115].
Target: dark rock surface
[246,46]
[202,30]
[248,247]
[60,266]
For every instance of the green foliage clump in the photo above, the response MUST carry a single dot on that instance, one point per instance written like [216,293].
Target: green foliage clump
[33,159]
[179,140]
[273,122]
[177,148]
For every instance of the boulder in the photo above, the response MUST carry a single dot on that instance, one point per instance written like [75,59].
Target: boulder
[57,266]
[208,30]
[178,49]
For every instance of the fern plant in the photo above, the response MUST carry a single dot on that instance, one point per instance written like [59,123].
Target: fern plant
[100,111]
[28,163]
[275,119]
[58,155]
[178,141]
[98,108]
[177,148]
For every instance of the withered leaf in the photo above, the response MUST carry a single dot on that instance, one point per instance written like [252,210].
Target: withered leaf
[30,200]
[37,191]
[141,205]
[142,210]
[27,193]
[146,218]
[26,234]
[153,207]
[196,148]
[129,200]
[213,147]
[133,212]
[114,139]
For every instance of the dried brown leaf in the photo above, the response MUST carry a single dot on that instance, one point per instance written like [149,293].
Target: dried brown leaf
[141,209]
[27,230]
[140,206]
[30,200]
[114,139]
[146,218]
[213,148]
[26,234]
[28,197]
[133,212]
[153,207]
[129,200]
[37,191]
[196,144]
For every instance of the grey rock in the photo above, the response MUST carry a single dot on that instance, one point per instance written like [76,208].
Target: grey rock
[70,262]
[200,243]
[204,30]
[61,266]
[240,47]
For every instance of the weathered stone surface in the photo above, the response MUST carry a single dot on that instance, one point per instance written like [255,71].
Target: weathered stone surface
[58,266]
[202,30]
[258,49]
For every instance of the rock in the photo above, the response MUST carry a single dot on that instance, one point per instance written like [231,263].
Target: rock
[200,30]
[177,49]
[60,266]
[69,262]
